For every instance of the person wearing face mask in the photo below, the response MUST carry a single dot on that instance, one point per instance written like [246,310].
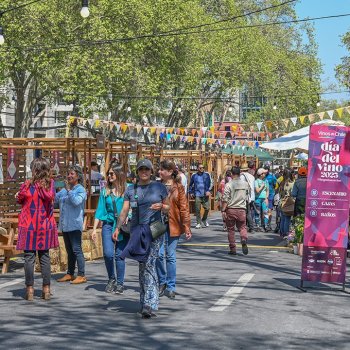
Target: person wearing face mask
[200,186]
[71,201]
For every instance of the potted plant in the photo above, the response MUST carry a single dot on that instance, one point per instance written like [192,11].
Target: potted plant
[299,232]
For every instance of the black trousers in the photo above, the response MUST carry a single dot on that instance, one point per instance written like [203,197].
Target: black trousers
[29,263]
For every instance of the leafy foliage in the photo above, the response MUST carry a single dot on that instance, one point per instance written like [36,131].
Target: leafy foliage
[52,53]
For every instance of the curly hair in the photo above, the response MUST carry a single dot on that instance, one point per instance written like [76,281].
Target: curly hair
[40,168]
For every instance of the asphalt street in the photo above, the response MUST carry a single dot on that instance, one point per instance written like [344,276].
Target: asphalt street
[222,302]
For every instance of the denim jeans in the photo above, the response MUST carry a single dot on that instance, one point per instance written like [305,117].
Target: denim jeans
[29,263]
[72,242]
[111,253]
[261,218]
[285,224]
[166,262]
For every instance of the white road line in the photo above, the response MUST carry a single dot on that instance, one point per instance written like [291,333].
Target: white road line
[11,283]
[233,293]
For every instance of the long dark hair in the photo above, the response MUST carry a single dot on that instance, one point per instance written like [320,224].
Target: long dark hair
[121,179]
[40,168]
[168,165]
[287,177]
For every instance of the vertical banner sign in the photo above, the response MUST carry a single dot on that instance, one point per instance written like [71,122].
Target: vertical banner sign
[11,165]
[55,162]
[327,205]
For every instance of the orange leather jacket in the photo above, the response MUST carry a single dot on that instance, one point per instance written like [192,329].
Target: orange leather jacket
[179,213]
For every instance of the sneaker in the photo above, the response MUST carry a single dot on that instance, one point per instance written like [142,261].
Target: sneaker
[244,247]
[205,224]
[232,252]
[110,286]
[162,289]
[170,294]
[198,226]
[119,289]
[146,312]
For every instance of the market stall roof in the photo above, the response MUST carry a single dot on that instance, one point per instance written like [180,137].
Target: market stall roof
[298,139]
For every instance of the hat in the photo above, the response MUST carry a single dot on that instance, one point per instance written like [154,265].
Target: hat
[302,171]
[244,166]
[261,171]
[144,163]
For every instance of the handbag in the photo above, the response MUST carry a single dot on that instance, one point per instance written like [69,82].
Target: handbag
[125,228]
[158,228]
[287,206]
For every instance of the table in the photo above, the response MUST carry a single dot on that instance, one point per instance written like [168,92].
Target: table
[7,240]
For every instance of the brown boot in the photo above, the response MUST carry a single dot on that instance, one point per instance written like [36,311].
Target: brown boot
[46,294]
[29,293]
[66,278]
[79,280]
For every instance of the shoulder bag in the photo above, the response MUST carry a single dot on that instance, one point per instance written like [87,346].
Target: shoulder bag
[158,228]
[125,228]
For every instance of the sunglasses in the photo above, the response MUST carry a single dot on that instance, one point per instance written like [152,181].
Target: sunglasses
[111,174]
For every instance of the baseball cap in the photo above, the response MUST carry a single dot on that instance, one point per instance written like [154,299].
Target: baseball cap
[261,171]
[144,163]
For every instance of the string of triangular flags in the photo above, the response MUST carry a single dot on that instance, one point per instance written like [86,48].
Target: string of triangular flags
[212,135]
[203,135]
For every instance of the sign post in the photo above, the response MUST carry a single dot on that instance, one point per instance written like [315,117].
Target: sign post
[327,205]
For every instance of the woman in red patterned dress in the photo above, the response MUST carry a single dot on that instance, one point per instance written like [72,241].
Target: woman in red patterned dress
[37,230]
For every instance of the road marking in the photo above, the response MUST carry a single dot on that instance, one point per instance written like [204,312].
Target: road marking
[233,293]
[226,245]
[11,283]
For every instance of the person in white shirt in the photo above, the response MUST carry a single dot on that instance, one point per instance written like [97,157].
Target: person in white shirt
[246,176]
[96,176]
[183,177]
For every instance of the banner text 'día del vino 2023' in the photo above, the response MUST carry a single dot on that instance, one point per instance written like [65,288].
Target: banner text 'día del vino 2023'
[327,204]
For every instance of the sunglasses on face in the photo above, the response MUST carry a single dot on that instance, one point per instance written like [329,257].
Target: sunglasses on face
[111,174]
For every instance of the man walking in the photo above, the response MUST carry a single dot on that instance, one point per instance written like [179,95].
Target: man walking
[234,210]
[271,179]
[200,190]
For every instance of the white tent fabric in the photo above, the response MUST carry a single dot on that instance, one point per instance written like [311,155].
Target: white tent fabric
[298,139]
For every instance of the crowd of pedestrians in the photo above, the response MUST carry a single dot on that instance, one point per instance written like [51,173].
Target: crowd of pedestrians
[143,217]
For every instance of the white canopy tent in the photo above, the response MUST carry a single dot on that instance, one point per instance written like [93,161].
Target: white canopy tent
[298,139]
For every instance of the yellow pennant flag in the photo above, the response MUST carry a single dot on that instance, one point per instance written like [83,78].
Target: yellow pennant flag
[340,112]
[152,130]
[124,127]
[302,119]
[234,128]
[212,129]
[269,124]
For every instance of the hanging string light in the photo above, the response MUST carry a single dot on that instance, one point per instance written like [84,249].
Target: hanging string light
[318,104]
[85,12]
[2,39]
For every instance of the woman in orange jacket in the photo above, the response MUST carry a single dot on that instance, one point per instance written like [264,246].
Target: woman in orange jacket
[179,221]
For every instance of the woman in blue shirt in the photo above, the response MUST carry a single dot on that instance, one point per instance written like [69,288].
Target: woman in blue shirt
[108,209]
[71,201]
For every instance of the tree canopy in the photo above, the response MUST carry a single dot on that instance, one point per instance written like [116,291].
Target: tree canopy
[156,56]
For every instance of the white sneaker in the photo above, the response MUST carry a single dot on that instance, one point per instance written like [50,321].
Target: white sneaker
[205,224]
[198,226]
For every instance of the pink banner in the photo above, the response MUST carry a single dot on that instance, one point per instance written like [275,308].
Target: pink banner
[327,204]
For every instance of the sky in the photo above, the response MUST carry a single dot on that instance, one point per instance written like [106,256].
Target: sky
[328,34]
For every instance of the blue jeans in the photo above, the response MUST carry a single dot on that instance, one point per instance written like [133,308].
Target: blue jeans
[111,253]
[285,224]
[166,262]
[72,242]
[261,218]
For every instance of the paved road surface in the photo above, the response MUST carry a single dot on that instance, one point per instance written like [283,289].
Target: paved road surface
[223,302]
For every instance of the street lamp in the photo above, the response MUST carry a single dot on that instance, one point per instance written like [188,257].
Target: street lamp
[179,109]
[128,108]
[230,109]
[85,12]
[2,39]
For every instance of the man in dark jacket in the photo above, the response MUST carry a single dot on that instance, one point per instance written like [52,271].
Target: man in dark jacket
[200,190]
